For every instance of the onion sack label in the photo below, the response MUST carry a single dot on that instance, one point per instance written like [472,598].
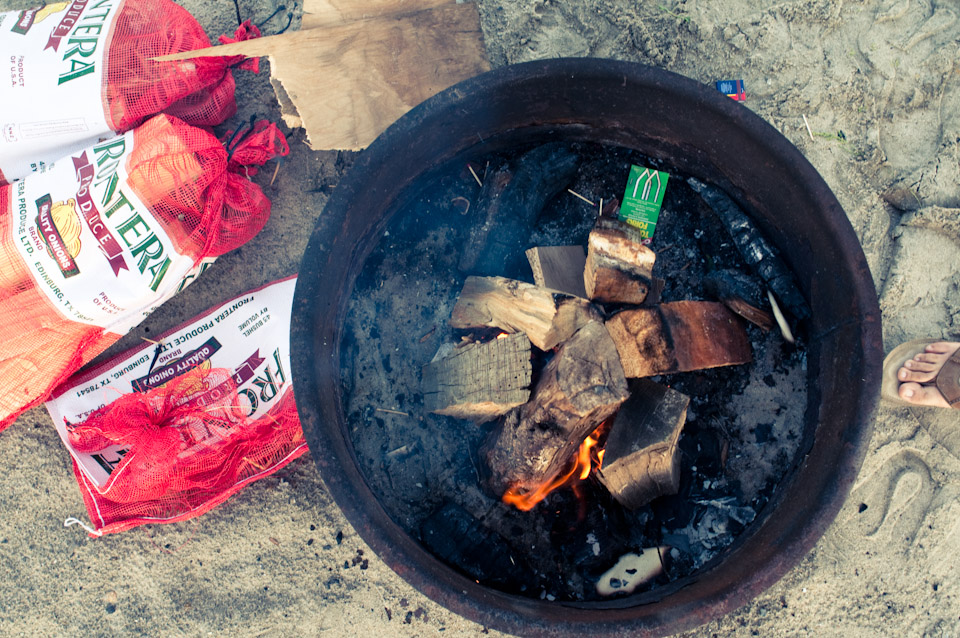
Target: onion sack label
[95,250]
[54,57]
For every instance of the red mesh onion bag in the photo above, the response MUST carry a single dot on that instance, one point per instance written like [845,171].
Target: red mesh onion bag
[90,247]
[199,91]
[188,447]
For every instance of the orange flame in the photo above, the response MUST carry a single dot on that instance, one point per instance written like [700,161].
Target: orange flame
[525,500]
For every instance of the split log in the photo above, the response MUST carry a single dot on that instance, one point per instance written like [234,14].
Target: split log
[508,205]
[679,336]
[546,316]
[642,457]
[754,249]
[580,387]
[479,381]
[619,268]
[559,268]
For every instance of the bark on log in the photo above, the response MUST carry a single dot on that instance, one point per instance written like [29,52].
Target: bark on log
[679,336]
[479,381]
[619,268]
[642,456]
[546,316]
[508,205]
[559,268]
[582,386]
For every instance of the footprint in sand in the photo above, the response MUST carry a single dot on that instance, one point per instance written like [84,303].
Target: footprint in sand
[909,46]
[895,500]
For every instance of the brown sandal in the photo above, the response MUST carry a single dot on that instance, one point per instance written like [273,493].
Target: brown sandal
[947,380]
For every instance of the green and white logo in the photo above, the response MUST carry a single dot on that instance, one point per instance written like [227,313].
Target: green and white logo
[643,197]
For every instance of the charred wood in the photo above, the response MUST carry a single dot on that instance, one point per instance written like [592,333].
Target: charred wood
[546,316]
[509,203]
[679,336]
[580,387]
[755,250]
[739,293]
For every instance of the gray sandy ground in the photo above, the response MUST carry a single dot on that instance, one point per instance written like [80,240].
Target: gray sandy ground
[279,559]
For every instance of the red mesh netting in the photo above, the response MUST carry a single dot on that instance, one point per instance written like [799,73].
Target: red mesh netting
[187,179]
[188,447]
[199,91]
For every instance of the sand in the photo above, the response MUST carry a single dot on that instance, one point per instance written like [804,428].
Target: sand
[879,84]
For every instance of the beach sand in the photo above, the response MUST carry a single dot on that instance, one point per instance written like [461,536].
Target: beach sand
[879,84]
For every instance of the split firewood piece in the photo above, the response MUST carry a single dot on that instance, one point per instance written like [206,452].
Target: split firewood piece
[739,293]
[619,267]
[559,268]
[479,381]
[546,316]
[508,205]
[580,387]
[642,457]
[756,250]
[679,336]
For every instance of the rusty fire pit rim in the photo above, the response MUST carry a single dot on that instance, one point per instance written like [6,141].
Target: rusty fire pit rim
[348,486]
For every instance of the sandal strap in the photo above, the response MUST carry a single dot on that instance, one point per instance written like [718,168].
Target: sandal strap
[948,380]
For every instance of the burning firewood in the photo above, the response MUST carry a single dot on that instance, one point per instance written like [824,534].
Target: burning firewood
[580,387]
[479,381]
[546,316]
[679,336]
[559,268]
[619,268]
[642,457]
[508,205]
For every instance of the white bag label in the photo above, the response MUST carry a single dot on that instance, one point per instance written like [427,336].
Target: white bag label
[94,249]
[248,335]
[51,103]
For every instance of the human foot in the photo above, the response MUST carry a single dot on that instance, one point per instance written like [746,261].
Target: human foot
[925,368]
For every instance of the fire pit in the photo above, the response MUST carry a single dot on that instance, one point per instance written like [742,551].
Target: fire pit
[693,130]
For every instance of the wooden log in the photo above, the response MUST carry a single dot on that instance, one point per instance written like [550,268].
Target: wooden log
[479,381]
[641,456]
[679,336]
[508,205]
[754,248]
[739,293]
[619,268]
[580,387]
[546,316]
[559,268]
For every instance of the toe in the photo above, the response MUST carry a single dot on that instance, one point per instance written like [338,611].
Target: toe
[943,347]
[921,395]
[912,374]
[929,357]
[921,366]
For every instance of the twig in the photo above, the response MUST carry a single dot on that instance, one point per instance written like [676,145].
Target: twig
[156,343]
[392,411]
[275,171]
[807,124]
[474,173]
[576,194]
